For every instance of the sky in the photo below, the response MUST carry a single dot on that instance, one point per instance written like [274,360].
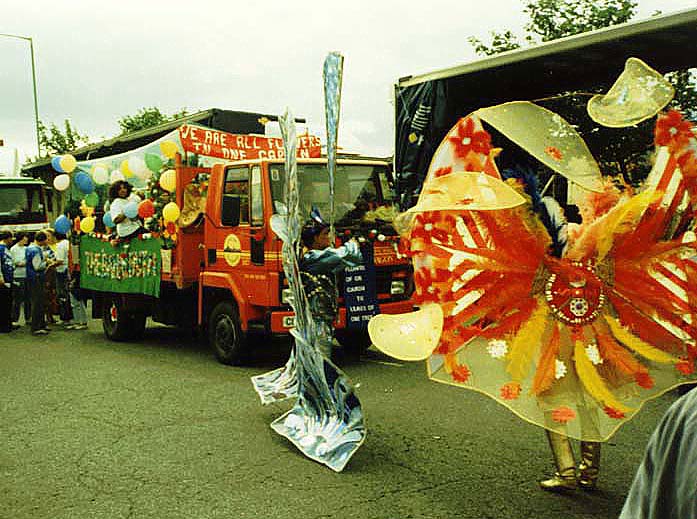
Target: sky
[99,61]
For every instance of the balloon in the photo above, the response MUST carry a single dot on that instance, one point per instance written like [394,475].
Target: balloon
[115,176]
[130,210]
[68,163]
[146,209]
[61,182]
[106,219]
[84,182]
[87,224]
[169,149]
[125,169]
[100,174]
[153,162]
[137,166]
[92,199]
[56,163]
[62,224]
[170,212]
[168,180]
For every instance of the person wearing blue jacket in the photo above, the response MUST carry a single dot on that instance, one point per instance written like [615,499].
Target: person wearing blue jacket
[6,278]
[319,265]
[37,263]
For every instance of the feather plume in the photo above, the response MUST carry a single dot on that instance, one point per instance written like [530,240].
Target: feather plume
[544,375]
[634,343]
[619,217]
[592,381]
[612,352]
[526,342]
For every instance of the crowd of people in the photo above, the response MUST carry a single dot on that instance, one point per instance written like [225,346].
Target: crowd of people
[36,280]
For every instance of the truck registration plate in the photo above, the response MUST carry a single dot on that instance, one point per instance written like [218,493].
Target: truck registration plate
[289,321]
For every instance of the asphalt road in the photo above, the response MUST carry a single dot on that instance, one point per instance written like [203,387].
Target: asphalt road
[95,429]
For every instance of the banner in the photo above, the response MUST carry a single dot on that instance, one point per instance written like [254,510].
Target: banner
[132,268]
[360,295]
[229,146]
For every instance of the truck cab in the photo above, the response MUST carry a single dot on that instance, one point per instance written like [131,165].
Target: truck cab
[22,204]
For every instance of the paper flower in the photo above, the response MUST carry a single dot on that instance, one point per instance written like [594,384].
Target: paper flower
[593,354]
[510,391]
[563,414]
[497,348]
[466,139]
[559,369]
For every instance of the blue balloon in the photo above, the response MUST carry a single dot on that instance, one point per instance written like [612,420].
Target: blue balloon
[130,210]
[84,182]
[56,163]
[108,222]
[62,224]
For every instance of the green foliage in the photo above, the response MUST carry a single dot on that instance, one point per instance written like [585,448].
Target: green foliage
[554,19]
[147,118]
[54,141]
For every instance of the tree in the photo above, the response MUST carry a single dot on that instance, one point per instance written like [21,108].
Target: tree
[554,19]
[147,118]
[54,141]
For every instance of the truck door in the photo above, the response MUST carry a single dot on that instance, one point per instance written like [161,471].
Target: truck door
[243,246]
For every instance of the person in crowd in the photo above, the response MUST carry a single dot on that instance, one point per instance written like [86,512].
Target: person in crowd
[62,279]
[6,276]
[20,295]
[664,485]
[50,290]
[37,264]
[318,265]
[120,195]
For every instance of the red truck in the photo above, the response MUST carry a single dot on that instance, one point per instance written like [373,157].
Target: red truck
[225,275]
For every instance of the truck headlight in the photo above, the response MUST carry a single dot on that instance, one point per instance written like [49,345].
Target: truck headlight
[397,287]
[286,296]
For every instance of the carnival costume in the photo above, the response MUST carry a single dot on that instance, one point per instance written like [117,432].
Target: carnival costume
[575,342]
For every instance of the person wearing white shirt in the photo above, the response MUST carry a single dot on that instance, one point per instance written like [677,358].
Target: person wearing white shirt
[20,296]
[121,195]
[62,294]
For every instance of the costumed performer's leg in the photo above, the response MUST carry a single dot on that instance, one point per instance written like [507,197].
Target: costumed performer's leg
[589,467]
[565,476]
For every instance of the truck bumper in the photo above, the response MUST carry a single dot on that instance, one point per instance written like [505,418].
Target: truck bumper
[281,322]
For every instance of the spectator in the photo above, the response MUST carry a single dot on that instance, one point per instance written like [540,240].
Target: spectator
[50,290]
[20,297]
[77,304]
[37,264]
[62,295]
[665,486]
[6,274]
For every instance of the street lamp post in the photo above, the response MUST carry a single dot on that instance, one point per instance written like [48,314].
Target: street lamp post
[33,79]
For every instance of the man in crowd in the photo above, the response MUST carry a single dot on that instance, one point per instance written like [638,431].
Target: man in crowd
[20,296]
[37,263]
[6,274]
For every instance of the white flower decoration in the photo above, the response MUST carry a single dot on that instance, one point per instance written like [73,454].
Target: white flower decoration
[497,348]
[593,354]
[559,369]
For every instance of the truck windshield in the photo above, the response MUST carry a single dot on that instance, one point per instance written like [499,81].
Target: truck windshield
[362,193]
[21,204]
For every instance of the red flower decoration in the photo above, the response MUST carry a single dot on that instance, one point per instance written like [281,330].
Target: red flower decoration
[563,414]
[643,379]
[554,152]
[672,130]
[461,373]
[466,139]
[171,227]
[613,413]
[510,391]
[441,172]
[685,366]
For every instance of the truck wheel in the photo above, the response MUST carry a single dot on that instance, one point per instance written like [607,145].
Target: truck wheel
[354,342]
[115,323]
[137,326]
[225,334]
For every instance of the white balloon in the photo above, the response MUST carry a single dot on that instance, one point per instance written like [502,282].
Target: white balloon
[100,174]
[61,182]
[115,176]
[137,166]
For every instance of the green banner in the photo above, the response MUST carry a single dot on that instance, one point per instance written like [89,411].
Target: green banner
[131,268]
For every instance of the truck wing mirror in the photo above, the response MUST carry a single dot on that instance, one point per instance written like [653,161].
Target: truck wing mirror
[230,212]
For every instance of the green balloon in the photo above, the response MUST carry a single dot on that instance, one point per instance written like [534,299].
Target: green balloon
[153,162]
[92,199]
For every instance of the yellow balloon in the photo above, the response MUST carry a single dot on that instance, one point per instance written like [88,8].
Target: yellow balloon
[125,169]
[87,224]
[68,163]
[169,149]
[170,212]
[168,180]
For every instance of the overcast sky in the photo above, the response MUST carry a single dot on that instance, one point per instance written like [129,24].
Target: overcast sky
[97,61]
